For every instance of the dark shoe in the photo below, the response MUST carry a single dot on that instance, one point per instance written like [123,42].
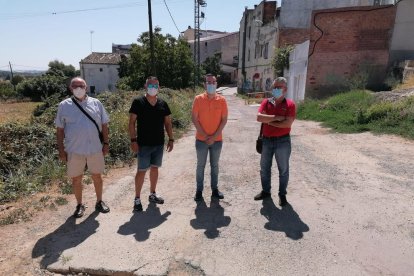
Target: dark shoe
[282,200]
[262,195]
[198,196]
[156,199]
[216,193]
[137,205]
[101,207]
[80,210]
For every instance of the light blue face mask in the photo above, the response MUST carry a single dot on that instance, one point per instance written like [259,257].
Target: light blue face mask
[277,92]
[211,88]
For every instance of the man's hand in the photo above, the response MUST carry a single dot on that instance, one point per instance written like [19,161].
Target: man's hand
[105,149]
[210,139]
[63,156]
[170,146]
[134,147]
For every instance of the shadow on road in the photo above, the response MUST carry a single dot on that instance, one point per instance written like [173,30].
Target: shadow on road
[68,235]
[141,222]
[283,220]
[210,218]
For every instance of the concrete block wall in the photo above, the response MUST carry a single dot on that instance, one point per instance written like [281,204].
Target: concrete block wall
[354,41]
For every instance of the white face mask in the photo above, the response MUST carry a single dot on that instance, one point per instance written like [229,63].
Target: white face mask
[152,91]
[79,92]
[211,88]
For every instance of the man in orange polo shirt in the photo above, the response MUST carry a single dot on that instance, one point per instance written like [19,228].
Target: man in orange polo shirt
[209,116]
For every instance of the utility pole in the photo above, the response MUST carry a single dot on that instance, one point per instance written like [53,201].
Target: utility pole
[151,35]
[91,39]
[197,4]
[11,80]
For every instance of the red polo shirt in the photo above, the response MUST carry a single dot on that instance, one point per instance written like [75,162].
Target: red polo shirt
[286,108]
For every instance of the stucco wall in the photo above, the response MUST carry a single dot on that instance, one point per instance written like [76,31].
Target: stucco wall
[103,76]
[402,45]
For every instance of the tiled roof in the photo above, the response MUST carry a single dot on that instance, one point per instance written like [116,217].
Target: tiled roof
[102,58]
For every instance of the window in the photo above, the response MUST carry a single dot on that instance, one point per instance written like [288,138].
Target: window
[248,55]
[100,69]
[250,29]
[266,51]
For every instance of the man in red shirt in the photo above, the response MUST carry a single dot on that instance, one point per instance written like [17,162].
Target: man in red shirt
[277,115]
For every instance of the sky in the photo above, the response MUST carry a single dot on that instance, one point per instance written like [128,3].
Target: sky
[35,32]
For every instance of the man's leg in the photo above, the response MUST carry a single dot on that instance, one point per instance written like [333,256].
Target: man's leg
[153,178]
[202,151]
[215,150]
[139,182]
[283,150]
[77,188]
[266,165]
[97,182]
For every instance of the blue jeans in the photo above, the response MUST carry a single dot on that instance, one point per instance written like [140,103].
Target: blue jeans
[202,150]
[281,149]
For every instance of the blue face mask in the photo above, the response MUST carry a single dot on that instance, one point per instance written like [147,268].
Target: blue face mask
[277,92]
[211,88]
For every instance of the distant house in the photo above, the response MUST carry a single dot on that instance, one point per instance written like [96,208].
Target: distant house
[100,71]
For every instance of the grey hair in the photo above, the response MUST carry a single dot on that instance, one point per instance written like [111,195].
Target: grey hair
[76,78]
[280,79]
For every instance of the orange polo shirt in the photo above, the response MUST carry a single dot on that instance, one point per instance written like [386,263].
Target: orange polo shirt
[209,113]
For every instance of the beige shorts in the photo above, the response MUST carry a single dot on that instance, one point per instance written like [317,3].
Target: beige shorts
[76,164]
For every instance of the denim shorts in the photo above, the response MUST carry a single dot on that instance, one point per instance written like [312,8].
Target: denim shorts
[150,156]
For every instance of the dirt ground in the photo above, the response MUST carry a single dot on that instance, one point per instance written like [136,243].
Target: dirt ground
[351,212]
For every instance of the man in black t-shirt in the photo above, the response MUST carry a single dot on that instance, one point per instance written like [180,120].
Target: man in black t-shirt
[148,116]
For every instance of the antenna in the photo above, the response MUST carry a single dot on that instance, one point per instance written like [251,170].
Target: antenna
[197,4]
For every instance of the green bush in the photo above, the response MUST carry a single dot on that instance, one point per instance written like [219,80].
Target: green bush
[7,90]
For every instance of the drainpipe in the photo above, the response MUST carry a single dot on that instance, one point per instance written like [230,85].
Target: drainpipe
[244,48]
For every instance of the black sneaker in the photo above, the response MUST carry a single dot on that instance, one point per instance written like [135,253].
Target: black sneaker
[80,210]
[282,200]
[198,196]
[101,207]
[137,205]
[156,199]
[262,195]
[216,193]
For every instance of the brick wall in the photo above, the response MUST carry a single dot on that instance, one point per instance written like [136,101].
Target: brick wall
[348,42]
[293,36]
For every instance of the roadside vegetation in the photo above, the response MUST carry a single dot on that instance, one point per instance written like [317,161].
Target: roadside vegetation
[362,110]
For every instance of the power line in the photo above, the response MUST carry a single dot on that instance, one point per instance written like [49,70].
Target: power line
[172,17]
[38,14]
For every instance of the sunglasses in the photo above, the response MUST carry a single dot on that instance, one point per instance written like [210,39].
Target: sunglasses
[152,86]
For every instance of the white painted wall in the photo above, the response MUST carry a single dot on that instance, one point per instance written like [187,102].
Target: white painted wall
[402,44]
[296,75]
[103,76]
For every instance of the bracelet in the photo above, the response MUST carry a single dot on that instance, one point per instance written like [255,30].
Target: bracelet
[170,140]
[134,140]
[106,143]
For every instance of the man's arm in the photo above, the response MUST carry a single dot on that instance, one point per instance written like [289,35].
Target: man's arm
[105,134]
[287,123]
[264,118]
[132,131]
[168,128]
[194,118]
[60,136]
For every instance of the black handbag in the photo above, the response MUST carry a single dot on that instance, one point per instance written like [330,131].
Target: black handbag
[259,141]
[90,118]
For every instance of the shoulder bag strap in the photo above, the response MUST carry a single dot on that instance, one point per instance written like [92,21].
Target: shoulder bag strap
[86,114]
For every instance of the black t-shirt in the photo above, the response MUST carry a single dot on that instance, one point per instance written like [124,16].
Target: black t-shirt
[150,120]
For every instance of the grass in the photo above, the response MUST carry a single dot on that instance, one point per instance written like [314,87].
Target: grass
[359,111]
[16,112]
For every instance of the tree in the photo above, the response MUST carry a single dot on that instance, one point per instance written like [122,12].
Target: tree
[173,62]
[281,59]
[17,79]
[58,68]
[42,87]
[212,65]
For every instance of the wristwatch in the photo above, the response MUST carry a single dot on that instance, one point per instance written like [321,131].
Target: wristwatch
[170,140]
[134,140]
